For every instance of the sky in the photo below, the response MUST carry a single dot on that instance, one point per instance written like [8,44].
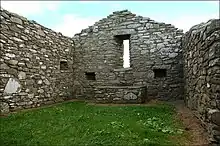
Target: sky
[70,17]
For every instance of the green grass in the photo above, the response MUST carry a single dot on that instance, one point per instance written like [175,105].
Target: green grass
[78,123]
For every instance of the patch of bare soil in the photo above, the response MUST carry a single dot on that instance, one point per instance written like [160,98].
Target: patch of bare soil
[196,134]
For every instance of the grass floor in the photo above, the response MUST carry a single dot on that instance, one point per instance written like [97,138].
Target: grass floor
[77,123]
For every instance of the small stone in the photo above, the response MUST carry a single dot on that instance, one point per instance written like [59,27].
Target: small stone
[31,95]
[22,94]
[43,50]
[17,39]
[10,55]
[39,82]
[4,107]
[33,51]
[24,38]
[12,71]
[144,51]
[133,25]
[41,91]
[116,99]
[21,45]
[46,82]
[27,31]
[21,64]
[4,66]
[208,85]
[172,55]
[194,69]
[16,20]
[7,97]
[41,33]
[152,50]
[20,26]
[43,67]
[130,96]
[13,62]
[5,15]
[27,90]
[29,65]
[22,75]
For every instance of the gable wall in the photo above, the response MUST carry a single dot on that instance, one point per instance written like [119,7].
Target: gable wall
[152,45]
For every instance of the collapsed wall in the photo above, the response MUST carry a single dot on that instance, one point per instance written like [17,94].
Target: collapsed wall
[155,57]
[201,50]
[35,64]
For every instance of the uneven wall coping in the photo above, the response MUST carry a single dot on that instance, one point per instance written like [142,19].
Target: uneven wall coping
[33,22]
[201,26]
[121,14]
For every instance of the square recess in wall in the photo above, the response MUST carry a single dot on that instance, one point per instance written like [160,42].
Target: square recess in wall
[160,73]
[63,65]
[90,75]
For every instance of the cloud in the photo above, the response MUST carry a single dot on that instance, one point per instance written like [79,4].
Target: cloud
[72,24]
[28,8]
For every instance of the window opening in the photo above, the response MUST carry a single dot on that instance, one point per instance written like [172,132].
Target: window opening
[160,73]
[124,40]
[90,76]
[63,65]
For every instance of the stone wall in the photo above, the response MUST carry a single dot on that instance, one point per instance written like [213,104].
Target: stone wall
[153,45]
[201,47]
[30,73]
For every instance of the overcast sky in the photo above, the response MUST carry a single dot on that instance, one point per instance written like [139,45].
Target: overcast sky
[70,17]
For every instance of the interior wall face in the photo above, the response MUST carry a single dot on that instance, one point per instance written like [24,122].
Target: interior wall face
[201,46]
[30,56]
[153,45]
[39,66]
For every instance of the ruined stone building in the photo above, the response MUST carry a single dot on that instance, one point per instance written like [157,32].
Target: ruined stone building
[39,66]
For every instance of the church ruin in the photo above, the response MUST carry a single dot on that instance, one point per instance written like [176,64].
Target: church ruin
[39,66]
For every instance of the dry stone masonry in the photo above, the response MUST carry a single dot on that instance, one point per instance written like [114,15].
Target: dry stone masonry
[153,46]
[30,72]
[201,48]
[39,66]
